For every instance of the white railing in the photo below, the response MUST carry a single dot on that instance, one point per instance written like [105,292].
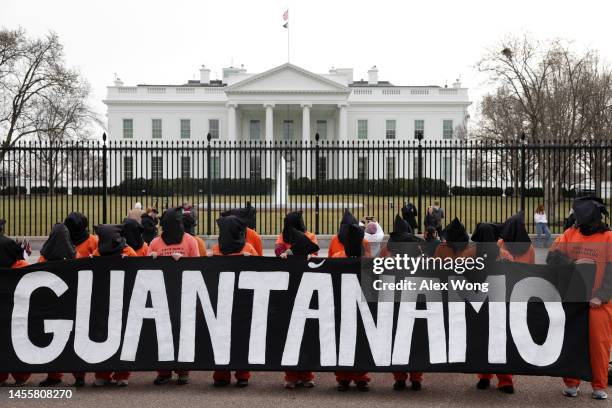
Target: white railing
[362,91]
[156,90]
[419,92]
[127,90]
[185,91]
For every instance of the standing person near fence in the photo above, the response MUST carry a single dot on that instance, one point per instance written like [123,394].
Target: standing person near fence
[541,224]
[589,241]
[438,214]
[12,256]
[86,244]
[136,213]
[410,214]
[149,223]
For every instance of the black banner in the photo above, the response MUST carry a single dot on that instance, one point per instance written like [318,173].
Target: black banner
[272,314]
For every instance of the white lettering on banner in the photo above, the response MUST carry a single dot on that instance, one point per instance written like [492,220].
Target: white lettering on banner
[457,330]
[321,283]
[219,325]
[408,313]
[91,351]
[25,350]
[533,353]
[261,283]
[148,283]
[379,334]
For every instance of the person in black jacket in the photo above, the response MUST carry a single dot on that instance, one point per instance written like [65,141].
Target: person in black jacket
[410,213]
[149,225]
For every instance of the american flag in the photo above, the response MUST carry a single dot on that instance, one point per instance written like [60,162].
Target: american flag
[286,18]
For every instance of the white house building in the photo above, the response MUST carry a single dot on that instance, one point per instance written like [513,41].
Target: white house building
[285,103]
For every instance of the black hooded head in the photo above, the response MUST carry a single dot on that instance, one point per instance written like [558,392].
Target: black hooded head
[588,212]
[348,219]
[132,232]
[300,243]
[486,235]
[351,237]
[2,224]
[232,234]
[246,214]
[10,252]
[402,240]
[515,236]
[58,246]
[110,240]
[455,235]
[293,220]
[189,222]
[77,226]
[172,226]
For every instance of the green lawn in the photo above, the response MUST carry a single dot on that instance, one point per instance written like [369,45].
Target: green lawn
[34,215]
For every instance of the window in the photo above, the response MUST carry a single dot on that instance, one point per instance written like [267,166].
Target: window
[213,128]
[157,167]
[156,128]
[390,132]
[362,129]
[185,167]
[390,168]
[215,167]
[362,168]
[322,168]
[288,130]
[447,168]
[128,168]
[255,166]
[447,129]
[322,129]
[128,128]
[185,128]
[255,129]
[419,127]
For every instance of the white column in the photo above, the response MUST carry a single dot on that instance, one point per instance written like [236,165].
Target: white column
[269,122]
[306,122]
[342,122]
[231,122]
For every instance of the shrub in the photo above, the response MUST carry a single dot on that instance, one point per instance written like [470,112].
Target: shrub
[478,191]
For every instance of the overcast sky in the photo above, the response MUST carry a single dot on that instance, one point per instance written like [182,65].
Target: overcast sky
[412,42]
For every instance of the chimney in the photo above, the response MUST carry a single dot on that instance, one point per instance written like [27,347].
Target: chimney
[373,76]
[457,83]
[118,81]
[204,75]
[347,73]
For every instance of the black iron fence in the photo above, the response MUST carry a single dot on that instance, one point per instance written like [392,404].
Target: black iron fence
[473,180]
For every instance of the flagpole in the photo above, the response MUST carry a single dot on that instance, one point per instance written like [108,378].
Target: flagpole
[288,28]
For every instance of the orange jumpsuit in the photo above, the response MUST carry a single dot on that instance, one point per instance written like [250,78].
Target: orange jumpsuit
[253,238]
[201,245]
[87,247]
[336,246]
[142,251]
[21,377]
[356,376]
[226,375]
[117,375]
[595,247]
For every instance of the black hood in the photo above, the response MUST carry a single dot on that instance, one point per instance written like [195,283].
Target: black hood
[293,220]
[10,252]
[246,214]
[58,246]
[232,234]
[2,224]
[409,213]
[110,241]
[455,235]
[487,232]
[351,237]
[189,222]
[515,236]
[402,232]
[300,243]
[347,219]
[132,232]
[77,224]
[588,212]
[172,226]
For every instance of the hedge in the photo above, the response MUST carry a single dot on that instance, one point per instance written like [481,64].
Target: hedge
[381,187]
[169,187]
[476,191]
[14,190]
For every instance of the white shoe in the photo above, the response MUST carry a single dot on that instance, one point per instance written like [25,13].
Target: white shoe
[309,384]
[599,395]
[101,382]
[570,391]
[290,385]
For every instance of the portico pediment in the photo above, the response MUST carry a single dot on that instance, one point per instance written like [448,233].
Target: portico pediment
[286,78]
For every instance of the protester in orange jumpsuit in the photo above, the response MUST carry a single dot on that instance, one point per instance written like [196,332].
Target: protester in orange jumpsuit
[335,245]
[248,216]
[351,237]
[189,223]
[132,232]
[111,243]
[514,243]
[85,243]
[589,241]
[293,220]
[486,236]
[403,241]
[59,247]
[11,256]
[456,244]
[295,240]
[232,242]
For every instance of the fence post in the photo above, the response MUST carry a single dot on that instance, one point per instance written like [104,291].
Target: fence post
[316,186]
[209,192]
[104,180]
[419,136]
[523,169]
